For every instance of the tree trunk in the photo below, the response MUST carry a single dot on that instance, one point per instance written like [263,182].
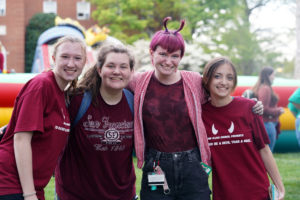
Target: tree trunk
[297,57]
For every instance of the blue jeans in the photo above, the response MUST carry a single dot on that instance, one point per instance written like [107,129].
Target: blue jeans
[272,133]
[184,174]
[298,130]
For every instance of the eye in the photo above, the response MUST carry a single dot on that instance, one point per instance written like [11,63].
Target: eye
[78,58]
[230,78]
[64,56]
[124,66]
[110,65]
[162,53]
[175,56]
[217,76]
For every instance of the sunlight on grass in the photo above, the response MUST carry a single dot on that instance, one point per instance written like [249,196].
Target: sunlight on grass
[288,164]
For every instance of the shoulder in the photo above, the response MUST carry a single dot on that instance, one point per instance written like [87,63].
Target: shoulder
[192,78]
[38,84]
[244,102]
[264,88]
[141,75]
[43,79]
[190,74]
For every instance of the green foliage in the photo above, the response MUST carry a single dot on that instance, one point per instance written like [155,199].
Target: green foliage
[130,20]
[37,25]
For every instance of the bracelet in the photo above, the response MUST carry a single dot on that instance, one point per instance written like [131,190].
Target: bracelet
[29,194]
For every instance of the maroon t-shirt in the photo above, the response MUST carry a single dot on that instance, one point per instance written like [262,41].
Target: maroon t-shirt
[235,136]
[97,161]
[39,107]
[167,125]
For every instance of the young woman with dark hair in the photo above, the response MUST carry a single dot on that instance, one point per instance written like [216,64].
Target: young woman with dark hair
[241,158]
[264,92]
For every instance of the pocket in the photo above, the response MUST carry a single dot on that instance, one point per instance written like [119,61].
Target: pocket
[148,165]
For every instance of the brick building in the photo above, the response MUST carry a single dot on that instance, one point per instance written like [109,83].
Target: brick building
[15,16]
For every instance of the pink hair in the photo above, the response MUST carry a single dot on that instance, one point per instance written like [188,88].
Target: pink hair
[171,40]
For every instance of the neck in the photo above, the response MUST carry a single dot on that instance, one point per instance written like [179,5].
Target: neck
[111,97]
[219,102]
[61,83]
[168,79]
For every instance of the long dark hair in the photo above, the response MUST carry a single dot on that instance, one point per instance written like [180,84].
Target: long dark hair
[91,80]
[264,79]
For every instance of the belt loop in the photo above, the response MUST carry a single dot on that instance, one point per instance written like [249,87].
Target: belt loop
[190,156]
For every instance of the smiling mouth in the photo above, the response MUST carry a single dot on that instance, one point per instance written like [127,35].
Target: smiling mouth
[70,70]
[116,79]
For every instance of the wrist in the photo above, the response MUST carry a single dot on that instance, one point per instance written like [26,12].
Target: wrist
[25,195]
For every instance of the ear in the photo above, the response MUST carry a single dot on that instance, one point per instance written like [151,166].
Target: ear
[99,71]
[151,52]
[53,58]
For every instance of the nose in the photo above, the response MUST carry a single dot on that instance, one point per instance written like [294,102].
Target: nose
[168,60]
[223,80]
[116,70]
[71,62]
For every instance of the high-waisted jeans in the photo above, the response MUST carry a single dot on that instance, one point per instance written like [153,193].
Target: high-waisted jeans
[184,174]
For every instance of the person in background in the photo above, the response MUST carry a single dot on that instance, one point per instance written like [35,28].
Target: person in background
[97,160]
[241,158]
[40,125]
[294,106]
[170,136]
[264,92]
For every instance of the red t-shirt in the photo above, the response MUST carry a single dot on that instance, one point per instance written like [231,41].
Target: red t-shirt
[167,124]
[39,107]
[235,136]
[97,161]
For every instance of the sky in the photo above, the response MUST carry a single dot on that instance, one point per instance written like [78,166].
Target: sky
[281,19]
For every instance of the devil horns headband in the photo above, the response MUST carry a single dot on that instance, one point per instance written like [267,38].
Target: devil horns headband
[182,22]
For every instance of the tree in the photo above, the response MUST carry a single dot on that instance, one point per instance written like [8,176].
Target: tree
[37,25]
[234,37]
[130,20]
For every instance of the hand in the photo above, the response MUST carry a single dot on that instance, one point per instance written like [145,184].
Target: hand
[281,110]
[281,195]
[258,108]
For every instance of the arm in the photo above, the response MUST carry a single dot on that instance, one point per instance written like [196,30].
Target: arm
[272,170]
[23,155]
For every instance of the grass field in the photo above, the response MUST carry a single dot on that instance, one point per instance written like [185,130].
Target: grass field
[288,164]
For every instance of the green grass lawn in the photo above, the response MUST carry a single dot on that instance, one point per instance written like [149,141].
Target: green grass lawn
[288,164]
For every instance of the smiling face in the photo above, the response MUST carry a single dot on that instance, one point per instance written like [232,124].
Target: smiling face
[69,61]
[222,82]
[165,63]
[115,72]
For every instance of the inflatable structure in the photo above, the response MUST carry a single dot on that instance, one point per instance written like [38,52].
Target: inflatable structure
[93,37]
[10,85]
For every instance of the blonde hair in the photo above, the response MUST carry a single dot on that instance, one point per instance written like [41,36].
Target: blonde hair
[72,39]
